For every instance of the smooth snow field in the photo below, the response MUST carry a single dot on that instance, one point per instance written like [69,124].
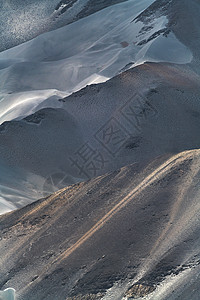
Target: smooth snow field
[35,74]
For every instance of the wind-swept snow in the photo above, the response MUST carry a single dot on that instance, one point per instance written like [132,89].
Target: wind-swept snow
[88,51]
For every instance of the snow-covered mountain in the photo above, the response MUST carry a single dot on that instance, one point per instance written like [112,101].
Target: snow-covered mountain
[99,107]
[36,74]
[149,106]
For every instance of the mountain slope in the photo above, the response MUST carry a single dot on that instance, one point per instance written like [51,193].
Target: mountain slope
[145,112]
[117,231]
[150,110]
[91,50]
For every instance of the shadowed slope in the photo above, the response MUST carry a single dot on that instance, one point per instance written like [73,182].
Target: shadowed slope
[145,112]
[124,226]
[154,108]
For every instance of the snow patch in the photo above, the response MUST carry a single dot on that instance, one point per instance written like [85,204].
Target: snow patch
[8,294]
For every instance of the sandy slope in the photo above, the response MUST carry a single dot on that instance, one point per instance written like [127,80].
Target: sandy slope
[113,231]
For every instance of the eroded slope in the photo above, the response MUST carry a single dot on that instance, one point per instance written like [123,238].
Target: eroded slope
[114,231]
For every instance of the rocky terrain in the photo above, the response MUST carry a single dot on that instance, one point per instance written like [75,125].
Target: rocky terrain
[124,234]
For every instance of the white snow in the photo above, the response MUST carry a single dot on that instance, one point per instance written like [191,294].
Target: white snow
[165,49]
[88,51]
[8,294]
